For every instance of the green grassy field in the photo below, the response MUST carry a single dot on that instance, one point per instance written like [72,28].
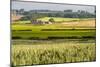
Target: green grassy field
[20,22]
[42,35]
[56,19]
[48,53]
[59,19]
[29,30]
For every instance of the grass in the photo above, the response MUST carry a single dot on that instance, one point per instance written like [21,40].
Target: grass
[48,53]
[40,34]
[83,28]
[21,30]
[20,22]
[56,19]
[60,19]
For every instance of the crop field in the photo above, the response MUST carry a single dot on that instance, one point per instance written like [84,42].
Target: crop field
[20,22]
[54,30]
[68,41]
[43,34]
[59,19]
[52,52]
[46,34]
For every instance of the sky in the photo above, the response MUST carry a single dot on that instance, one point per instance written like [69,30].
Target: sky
[50,6]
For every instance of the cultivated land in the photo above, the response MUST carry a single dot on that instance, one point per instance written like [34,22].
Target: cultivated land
[54,52]
[59,19]
[70,29]
[71,40]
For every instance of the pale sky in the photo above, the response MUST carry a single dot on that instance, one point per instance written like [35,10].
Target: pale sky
[50,6]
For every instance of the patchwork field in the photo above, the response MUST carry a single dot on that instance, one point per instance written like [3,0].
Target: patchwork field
[72,40]
[70,29]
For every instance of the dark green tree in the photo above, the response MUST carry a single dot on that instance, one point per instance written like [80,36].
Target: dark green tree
[51,20]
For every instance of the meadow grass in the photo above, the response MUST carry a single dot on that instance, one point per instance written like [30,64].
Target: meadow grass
[36,30]
[60,19]
[46,34]
[56,19]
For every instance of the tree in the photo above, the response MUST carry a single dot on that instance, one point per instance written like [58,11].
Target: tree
[21,11]
[69,10]
[51,20]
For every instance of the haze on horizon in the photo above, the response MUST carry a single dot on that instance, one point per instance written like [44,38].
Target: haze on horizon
[50,6]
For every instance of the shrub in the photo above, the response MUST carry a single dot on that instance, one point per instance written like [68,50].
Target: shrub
[51,20]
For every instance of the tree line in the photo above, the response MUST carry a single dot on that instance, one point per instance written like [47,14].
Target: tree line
[30,15]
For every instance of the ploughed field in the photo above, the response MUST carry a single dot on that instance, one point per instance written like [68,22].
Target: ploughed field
[68,41]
